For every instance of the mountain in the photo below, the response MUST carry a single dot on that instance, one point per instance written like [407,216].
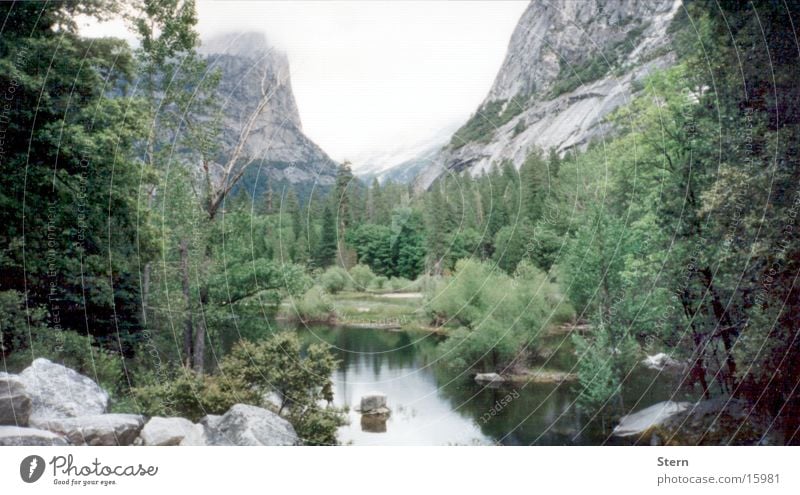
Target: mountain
[252,71]
[403,163]
[569,64]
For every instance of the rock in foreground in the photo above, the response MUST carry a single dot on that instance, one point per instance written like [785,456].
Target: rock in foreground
[100,429]
[59,392]
[15,404]
[17,436]
[248,425]
[171,431]
[648,420]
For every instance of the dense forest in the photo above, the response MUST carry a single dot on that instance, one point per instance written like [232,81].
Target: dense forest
[131,252]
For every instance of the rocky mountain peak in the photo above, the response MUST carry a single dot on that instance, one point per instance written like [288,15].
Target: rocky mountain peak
[553,37]
[253,71]
[569,65]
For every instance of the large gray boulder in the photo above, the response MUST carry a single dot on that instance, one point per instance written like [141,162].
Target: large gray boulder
[11,436]
[100,429]
[648,420]
[171,431]
[374,403]
[59,392]
[248,425]
[15,404]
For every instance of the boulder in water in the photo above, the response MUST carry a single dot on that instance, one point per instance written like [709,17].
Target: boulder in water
[374,403]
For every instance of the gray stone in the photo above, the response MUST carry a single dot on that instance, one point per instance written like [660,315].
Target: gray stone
[649,419]
[59,392]
[248,425]
[374,403]
[662,362]
[171,431]
[19,436]
[15,404]
[100,429]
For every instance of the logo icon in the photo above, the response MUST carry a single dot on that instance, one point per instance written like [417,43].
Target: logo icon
[31,468]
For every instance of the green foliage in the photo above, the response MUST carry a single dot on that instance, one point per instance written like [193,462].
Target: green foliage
[396,250]
[315,305]
[362,277]
[191,395]
[335,279]
[400,284]
[498,316]
[604,360]
[301,380]
[379,282]
[16,324]
[327,249]
[67,159]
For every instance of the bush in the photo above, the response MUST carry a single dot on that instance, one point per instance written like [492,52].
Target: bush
[379,282]
[247,375]
[399,284]
[190,395]
[315,305]
[362,277]
[301,379]
[334,280]
[426,283]
[498,315]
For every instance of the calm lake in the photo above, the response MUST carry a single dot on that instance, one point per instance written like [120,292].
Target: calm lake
[431,407]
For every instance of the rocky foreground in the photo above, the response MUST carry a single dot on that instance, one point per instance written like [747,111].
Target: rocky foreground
[49,404]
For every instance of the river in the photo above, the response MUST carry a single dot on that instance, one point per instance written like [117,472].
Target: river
[432,407]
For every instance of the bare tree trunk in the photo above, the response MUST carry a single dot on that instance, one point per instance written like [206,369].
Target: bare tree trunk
[188,326]
[145,291]
[199,352]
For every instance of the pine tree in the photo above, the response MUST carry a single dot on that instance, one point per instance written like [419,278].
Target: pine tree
[326,252]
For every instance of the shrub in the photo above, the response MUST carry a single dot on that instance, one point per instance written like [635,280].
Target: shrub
[362,277]
[498,315]
[301,379]
[315,305]
[191,395]
[247,375]
[400,284]
[334,280]
[379,282]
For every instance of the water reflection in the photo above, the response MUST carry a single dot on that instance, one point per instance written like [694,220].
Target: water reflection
[429,407]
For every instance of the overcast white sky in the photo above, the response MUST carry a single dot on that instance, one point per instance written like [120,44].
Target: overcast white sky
[372,76]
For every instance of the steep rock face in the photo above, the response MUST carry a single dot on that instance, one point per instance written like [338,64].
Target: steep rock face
[252,71]
[569,65]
